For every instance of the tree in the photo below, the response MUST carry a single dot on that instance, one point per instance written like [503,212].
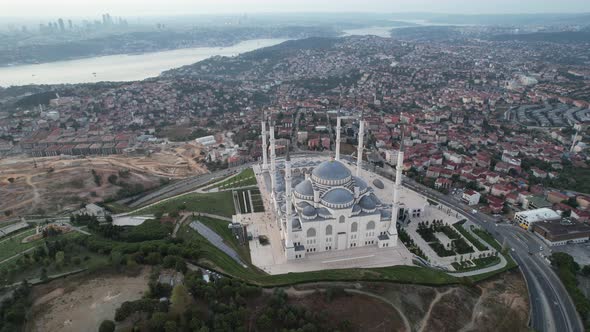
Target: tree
[157,321]
[180,300]
[59,258]
[170,326]
[43,276]
[113,179]
[107,326]
[586,270]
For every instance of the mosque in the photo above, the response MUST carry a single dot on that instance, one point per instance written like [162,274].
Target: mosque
[320,205]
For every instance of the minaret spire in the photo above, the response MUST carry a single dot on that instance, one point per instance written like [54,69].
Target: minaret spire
[361,137]
[264,146]
[338,120]
[273,157]
[397,191]
[288,180]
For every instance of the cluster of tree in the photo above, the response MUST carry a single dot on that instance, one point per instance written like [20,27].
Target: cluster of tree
[216,165]
[281,315]
[221,305]
[13,310]
[97,178]
[567,269]
[55,254]
[148,252]
[149,230]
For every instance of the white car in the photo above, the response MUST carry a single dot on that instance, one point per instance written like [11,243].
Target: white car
[474,211]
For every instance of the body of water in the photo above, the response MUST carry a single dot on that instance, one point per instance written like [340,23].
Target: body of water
[120,67]
[375,31]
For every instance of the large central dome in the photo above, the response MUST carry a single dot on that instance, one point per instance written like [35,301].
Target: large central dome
[331,172]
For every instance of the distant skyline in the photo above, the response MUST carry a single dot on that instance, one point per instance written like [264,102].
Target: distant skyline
[69,8]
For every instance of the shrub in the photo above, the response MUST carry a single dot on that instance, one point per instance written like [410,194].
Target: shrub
[107,326]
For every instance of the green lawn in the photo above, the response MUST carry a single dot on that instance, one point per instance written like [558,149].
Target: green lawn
[510,263]
[220,227]
[220,203]
[115,207]
[480,263]
[216,259]
[12,245]
[243,179]
[480,246]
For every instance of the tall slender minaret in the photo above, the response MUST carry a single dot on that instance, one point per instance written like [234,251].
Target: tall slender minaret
[264,147]
[359,152]
[396,191]
[338,120]
[289,229]
[273,157]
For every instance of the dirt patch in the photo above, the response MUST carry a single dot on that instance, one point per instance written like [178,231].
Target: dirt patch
[364,313]
[51,184]
[497,304]
[82,303]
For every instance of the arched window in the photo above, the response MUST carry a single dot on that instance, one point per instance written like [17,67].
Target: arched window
[311,232]
[329,230]
[354,227]
[342,220]
[370,225]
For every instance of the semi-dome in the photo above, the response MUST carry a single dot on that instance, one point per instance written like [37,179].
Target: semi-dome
[309,212]
[360,183]
[304,188]
[324,213]
[331,172]
[338,198]
[367,203]
[356,209]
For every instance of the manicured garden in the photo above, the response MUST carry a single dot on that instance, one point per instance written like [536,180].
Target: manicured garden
[476,264]
[457,246]
[480,246]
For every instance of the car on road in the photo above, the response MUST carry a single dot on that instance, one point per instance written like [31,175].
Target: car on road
[474,211]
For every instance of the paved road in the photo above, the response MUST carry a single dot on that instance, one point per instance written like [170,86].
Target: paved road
[190,184]
[552,308]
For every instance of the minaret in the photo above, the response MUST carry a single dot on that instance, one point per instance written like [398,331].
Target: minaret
[273,157]
[396,191]
[288,239]
[359,151]
[264,147]
[338,137]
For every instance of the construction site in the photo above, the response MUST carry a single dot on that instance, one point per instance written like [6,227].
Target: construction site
[62,183]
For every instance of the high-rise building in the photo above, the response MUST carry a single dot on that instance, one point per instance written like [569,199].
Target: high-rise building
[62,26]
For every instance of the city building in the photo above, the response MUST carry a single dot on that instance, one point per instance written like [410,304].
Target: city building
[526,218]
[561,232]
[471,197]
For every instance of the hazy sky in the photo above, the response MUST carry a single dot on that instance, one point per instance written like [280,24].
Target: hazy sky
[167,7]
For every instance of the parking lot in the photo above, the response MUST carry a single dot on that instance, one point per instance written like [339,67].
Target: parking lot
[580,252]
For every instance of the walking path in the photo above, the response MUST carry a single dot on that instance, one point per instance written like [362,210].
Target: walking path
[436,299]
[19,254]
[386,300]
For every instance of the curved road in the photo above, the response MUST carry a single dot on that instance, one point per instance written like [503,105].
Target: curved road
[551,306]
[552,310]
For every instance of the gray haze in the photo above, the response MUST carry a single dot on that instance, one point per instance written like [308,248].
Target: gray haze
[29,8]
